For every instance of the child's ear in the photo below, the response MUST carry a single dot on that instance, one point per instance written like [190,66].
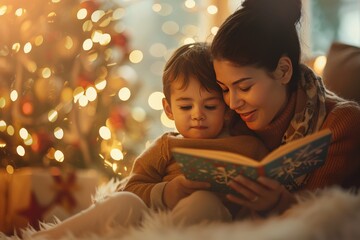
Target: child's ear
[167,109]
[284,70]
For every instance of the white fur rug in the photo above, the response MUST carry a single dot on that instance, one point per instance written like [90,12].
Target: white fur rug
[331,214]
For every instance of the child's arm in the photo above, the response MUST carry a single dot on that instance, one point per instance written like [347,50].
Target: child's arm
[149,169]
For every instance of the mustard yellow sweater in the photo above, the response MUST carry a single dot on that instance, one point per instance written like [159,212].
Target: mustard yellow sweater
[155,166]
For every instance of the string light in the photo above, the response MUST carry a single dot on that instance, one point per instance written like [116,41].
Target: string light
[97,44]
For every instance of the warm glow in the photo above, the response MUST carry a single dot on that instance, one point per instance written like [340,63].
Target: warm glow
[91,94]
[59,156]
[83,101]
[3,10]
[46,73]
[10,169]
[81,14]
[212,9]
[78,92]
[14,95]
[10,130]
[116,154]
[214,30]
[2,102]
[16,47]
[136,56]
[156,7]
[29,140]
[23,133]
[319,64]
[100,84]
[190,3]
[87,26]
[105,133]
[27,108]
[68,42]
[58,132]
[20,150]
[124,94]
[19,12]
[39,40]
[52,115]
[118,14]
[96,35]
[189,40]
[27,47]
[97,15]
[2,143]
[87,44]
[155,100]
[105,39]
[2,125]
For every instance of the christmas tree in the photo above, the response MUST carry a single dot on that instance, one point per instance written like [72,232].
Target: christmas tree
[66,88]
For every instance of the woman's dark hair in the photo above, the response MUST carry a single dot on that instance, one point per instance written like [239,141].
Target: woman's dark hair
[190,60]
[259,33]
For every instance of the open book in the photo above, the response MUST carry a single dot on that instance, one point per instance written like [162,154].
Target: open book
[284,164]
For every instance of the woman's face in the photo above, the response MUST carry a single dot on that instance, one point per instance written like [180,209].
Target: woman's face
[251,92]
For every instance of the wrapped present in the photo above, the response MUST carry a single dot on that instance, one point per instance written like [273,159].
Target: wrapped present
[4,176]
[37,194]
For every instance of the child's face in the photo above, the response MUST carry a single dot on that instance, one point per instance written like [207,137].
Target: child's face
[197,113]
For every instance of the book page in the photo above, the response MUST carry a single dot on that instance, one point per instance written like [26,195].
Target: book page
[218,155]
[282,150]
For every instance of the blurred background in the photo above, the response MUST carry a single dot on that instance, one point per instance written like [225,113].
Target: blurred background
[80,81]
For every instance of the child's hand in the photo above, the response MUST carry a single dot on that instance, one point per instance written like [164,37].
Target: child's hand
[179,188]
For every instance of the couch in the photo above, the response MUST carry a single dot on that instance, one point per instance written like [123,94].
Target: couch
[342,70]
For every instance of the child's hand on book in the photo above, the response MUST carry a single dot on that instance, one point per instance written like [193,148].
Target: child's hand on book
[180,187]
[262,195]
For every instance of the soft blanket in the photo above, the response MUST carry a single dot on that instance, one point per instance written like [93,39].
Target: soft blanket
[330,214]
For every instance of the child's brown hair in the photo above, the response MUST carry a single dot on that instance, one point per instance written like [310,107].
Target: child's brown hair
[190,60]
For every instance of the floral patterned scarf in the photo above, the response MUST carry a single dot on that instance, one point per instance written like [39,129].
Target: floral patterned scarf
[310,113]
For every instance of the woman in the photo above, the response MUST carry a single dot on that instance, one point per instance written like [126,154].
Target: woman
[257,63]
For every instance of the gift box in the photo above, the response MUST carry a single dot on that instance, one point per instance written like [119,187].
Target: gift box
[37,194]
[3,197]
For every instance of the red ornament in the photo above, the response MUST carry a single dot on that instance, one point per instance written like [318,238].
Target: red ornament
[120,40]
[27,106]
[85,81]
[117,117]
[42,141]
[90,6]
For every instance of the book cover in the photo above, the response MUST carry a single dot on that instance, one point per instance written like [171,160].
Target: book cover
[283,164]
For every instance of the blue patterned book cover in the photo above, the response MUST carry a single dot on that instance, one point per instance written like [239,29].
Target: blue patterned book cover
[284,164]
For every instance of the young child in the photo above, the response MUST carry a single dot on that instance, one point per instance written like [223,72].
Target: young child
[194,101]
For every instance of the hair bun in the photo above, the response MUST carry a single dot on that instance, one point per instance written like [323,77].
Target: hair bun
[288,11]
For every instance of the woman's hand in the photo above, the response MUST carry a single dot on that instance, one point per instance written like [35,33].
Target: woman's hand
[180,187]
[262,195]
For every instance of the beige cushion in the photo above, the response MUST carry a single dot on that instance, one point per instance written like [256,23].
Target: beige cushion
[342,71]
